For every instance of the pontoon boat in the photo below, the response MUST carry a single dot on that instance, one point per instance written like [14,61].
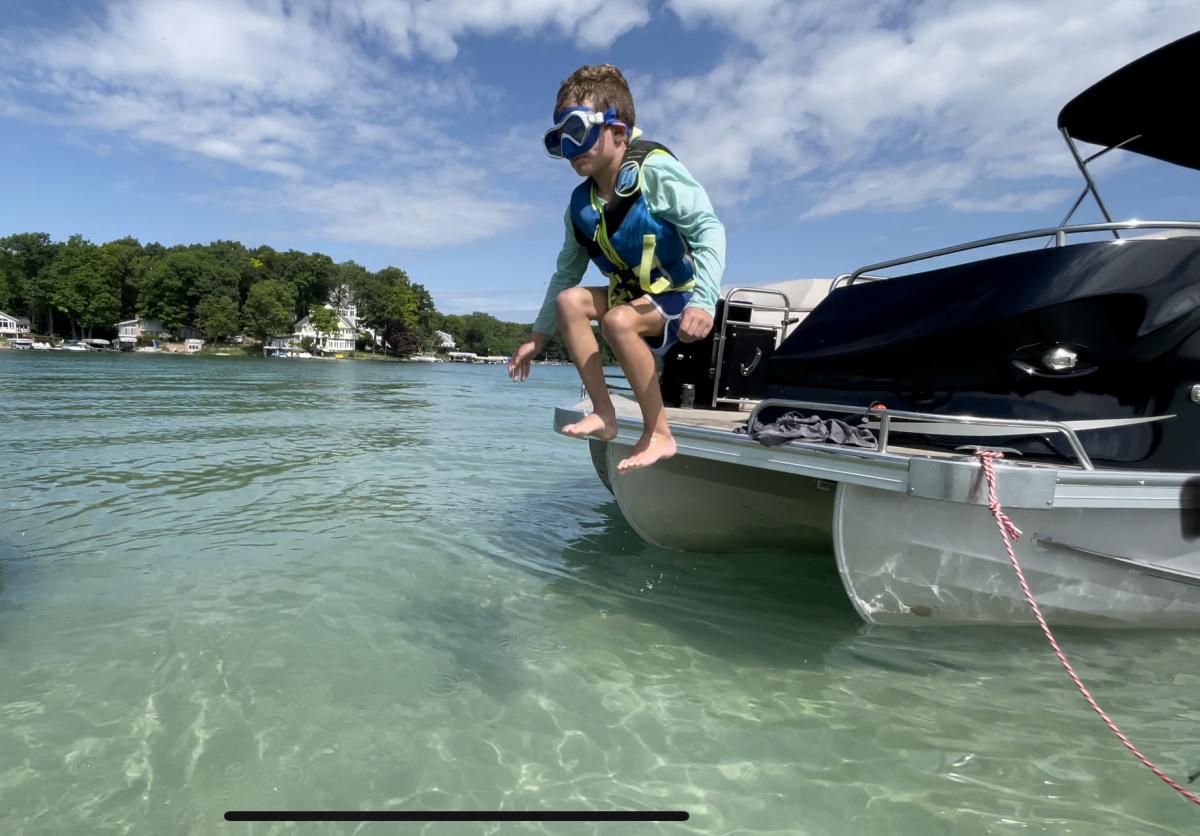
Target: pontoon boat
[1078,358]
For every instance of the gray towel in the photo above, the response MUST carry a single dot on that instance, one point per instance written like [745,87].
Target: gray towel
[795,426]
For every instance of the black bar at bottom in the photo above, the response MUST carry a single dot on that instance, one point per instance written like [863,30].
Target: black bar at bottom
[456,815]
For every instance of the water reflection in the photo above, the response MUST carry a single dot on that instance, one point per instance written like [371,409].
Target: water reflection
[758,607]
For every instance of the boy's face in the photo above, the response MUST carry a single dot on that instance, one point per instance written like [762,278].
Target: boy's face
[606,153]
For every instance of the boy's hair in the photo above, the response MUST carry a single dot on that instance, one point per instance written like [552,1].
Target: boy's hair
[603,85]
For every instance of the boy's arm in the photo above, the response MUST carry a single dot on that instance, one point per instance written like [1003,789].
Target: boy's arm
[569,269]
[673,195]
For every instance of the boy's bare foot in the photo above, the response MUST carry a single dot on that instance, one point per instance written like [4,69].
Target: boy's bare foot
[649,449]
[593,425]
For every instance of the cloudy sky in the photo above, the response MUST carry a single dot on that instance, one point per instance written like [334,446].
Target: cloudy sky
[830,133]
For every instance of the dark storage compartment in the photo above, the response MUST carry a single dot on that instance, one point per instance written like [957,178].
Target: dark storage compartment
[743,361]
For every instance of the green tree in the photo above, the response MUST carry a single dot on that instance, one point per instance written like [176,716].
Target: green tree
[235,256]
[354,277]
[484,334]
[217,316]
[174,285]
[127,262]
[310,275]
[269,307]
[325,320]
[203,285]
[85,285]
[394,299]
[369,291]
[9,294]
[426,311]
[27,255]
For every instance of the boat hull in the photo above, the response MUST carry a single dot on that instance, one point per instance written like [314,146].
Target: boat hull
[694,504]
[932,562]
[910,531]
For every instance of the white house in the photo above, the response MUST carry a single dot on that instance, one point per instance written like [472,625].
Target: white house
[12,327]
[342,300]
[129,330]
[193,345]
[340,340]
[443,342]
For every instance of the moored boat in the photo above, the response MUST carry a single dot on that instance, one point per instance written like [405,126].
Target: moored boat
[1078,360]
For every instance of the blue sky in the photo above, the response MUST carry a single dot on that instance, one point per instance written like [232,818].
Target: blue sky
[830,134]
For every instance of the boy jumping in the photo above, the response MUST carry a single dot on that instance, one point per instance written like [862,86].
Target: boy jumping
[649,227]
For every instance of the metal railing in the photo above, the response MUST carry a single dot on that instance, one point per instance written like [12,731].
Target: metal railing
[887,416]
[1059,234]
[731,301]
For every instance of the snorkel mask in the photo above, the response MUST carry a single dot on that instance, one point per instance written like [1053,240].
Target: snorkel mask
[576,130]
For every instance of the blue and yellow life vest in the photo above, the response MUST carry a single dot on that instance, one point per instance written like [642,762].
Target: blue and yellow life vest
[638,253]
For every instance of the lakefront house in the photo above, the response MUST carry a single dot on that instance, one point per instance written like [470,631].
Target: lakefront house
[130,330]
[13,327]
[340,340]
[443,342]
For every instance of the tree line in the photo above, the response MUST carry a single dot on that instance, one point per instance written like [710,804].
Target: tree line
[225,288]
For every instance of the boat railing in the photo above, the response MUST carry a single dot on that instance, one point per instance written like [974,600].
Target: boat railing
[743,298]
[1058,234]
[887,416]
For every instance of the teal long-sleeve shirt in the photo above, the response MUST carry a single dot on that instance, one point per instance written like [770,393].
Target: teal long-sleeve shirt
[674,196]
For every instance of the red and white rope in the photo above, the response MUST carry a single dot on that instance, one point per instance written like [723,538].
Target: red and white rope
[1010,533]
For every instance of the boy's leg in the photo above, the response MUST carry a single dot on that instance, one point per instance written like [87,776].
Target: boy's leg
[577,307]
[624,327]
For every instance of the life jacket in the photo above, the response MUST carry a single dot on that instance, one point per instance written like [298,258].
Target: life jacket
[638,253]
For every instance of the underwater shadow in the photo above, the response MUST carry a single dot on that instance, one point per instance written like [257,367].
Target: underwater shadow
[767,607]
[787,611]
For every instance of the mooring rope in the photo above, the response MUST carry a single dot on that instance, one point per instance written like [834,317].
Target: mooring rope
[1009,533]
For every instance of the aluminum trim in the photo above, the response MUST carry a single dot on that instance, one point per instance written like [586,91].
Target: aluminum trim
[1156,570]
[1018,236]
[1073,488]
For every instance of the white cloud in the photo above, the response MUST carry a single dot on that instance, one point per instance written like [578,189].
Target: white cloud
[911,185]
[307,91]
[889,105]
[440,211]
[894,107]
[434,28]
[190,47]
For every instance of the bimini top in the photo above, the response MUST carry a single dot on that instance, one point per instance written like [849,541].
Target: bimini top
[1131,103]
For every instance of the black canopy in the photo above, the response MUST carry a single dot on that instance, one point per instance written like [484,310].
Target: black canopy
[1147,97]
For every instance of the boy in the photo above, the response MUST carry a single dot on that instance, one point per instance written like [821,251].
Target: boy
[650,228]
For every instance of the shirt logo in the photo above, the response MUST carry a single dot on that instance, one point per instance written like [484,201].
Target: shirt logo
[627,179]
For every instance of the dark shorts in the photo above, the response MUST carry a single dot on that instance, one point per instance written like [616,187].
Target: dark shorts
[671,306]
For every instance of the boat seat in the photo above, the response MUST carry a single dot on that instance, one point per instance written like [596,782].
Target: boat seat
[803,296]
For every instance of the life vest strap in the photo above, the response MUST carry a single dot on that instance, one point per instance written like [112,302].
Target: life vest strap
[644,268]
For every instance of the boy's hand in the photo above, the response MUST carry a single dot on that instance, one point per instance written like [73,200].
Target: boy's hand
[694,325]
[518,365]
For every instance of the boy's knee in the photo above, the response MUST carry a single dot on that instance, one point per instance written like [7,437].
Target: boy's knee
[572,300]
[618,321]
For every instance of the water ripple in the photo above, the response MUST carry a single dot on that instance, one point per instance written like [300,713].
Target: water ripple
[250,583]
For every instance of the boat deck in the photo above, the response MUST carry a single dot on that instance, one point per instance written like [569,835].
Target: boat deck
[726,420]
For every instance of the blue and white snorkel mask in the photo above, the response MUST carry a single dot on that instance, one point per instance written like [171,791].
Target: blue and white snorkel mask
[576,130]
